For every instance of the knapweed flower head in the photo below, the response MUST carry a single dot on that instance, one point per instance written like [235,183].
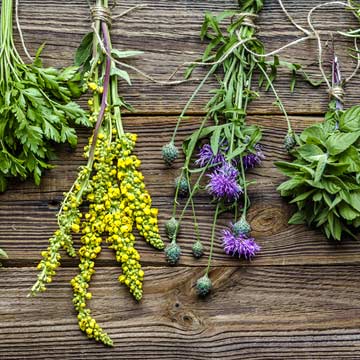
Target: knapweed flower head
[203,286]
[172,253]
[241,227]
[254,158]
[206,157]
[239,245]
[172,228]
[198,249]
[224,183]
[182,184]
[170,153]
[289,141]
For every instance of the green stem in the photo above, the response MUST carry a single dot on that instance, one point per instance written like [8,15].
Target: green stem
[212,238]
[196,225]
[211,71]
[281,105]
[195,188]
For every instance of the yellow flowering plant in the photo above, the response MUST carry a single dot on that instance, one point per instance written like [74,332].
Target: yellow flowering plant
[111,185]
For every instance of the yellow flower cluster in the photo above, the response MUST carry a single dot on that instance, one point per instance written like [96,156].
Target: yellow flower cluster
[69,221]
[117,200]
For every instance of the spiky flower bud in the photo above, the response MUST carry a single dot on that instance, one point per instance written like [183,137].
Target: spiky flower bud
[203,286]
[170,153]
[289,141]
[182,183]
[172,253]
[172,228]
[198,249]
[241,227]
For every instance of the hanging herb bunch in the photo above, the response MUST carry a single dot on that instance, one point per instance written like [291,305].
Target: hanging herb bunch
[35,108]
[111,184]
[324,174]
[221,153]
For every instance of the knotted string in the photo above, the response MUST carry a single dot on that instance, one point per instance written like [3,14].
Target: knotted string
[337,92]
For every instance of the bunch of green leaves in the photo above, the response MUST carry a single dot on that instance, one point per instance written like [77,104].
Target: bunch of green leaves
[35,108]
[324,177]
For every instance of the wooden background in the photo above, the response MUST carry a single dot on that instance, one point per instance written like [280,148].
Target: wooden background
[300,298]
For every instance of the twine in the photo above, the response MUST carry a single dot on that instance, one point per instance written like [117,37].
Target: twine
[248,20]
[337,92]
[100,13]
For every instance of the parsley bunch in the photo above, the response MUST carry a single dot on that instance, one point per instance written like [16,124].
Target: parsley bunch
[35,108]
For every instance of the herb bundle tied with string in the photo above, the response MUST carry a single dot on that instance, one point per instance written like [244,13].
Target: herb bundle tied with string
[111,184]
[324,174]
[35,107]
[221,153]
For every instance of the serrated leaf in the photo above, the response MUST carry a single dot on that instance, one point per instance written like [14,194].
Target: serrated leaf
[339,142]
[83,52]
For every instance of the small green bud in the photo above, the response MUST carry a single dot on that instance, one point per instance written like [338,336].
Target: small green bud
[241,227]
[173,252]
[198,249]
[172,228]
[182,183]
[203,286]
[170,153]
[289,141]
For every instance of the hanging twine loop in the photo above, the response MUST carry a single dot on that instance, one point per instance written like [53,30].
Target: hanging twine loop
[101,13]
[248,20]
[337,92]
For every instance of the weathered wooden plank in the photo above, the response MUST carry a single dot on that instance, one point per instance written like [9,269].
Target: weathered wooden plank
[254,313]
[174,39]
[28,214]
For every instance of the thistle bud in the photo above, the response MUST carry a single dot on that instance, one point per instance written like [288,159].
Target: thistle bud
[203,286]
[170,153]
[198,249]
[241,227]
[182,183]
[172,228]
[289,141]
[172,253]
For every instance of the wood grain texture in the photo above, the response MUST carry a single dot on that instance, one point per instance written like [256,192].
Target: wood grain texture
[299,299]
[173,38]
[33,210]
[254,313]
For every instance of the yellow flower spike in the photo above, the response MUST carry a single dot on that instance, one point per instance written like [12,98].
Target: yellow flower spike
[92,86]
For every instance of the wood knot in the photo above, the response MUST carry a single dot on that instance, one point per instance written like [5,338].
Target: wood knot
[268,221]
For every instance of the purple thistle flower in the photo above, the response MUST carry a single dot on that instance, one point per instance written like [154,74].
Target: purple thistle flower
[253,159]
[240,245]
[207,157]
[223,182]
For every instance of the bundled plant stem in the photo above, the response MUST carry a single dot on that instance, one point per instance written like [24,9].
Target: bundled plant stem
[35,108]
[229,147]
[324,174]
[111,185]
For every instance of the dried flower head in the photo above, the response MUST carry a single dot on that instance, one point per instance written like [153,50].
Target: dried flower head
[182,183]
[241,227]
[170,153]
[172,228]
[203,286]
[289,141]
[172,253]
[198,249]
[224,183]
